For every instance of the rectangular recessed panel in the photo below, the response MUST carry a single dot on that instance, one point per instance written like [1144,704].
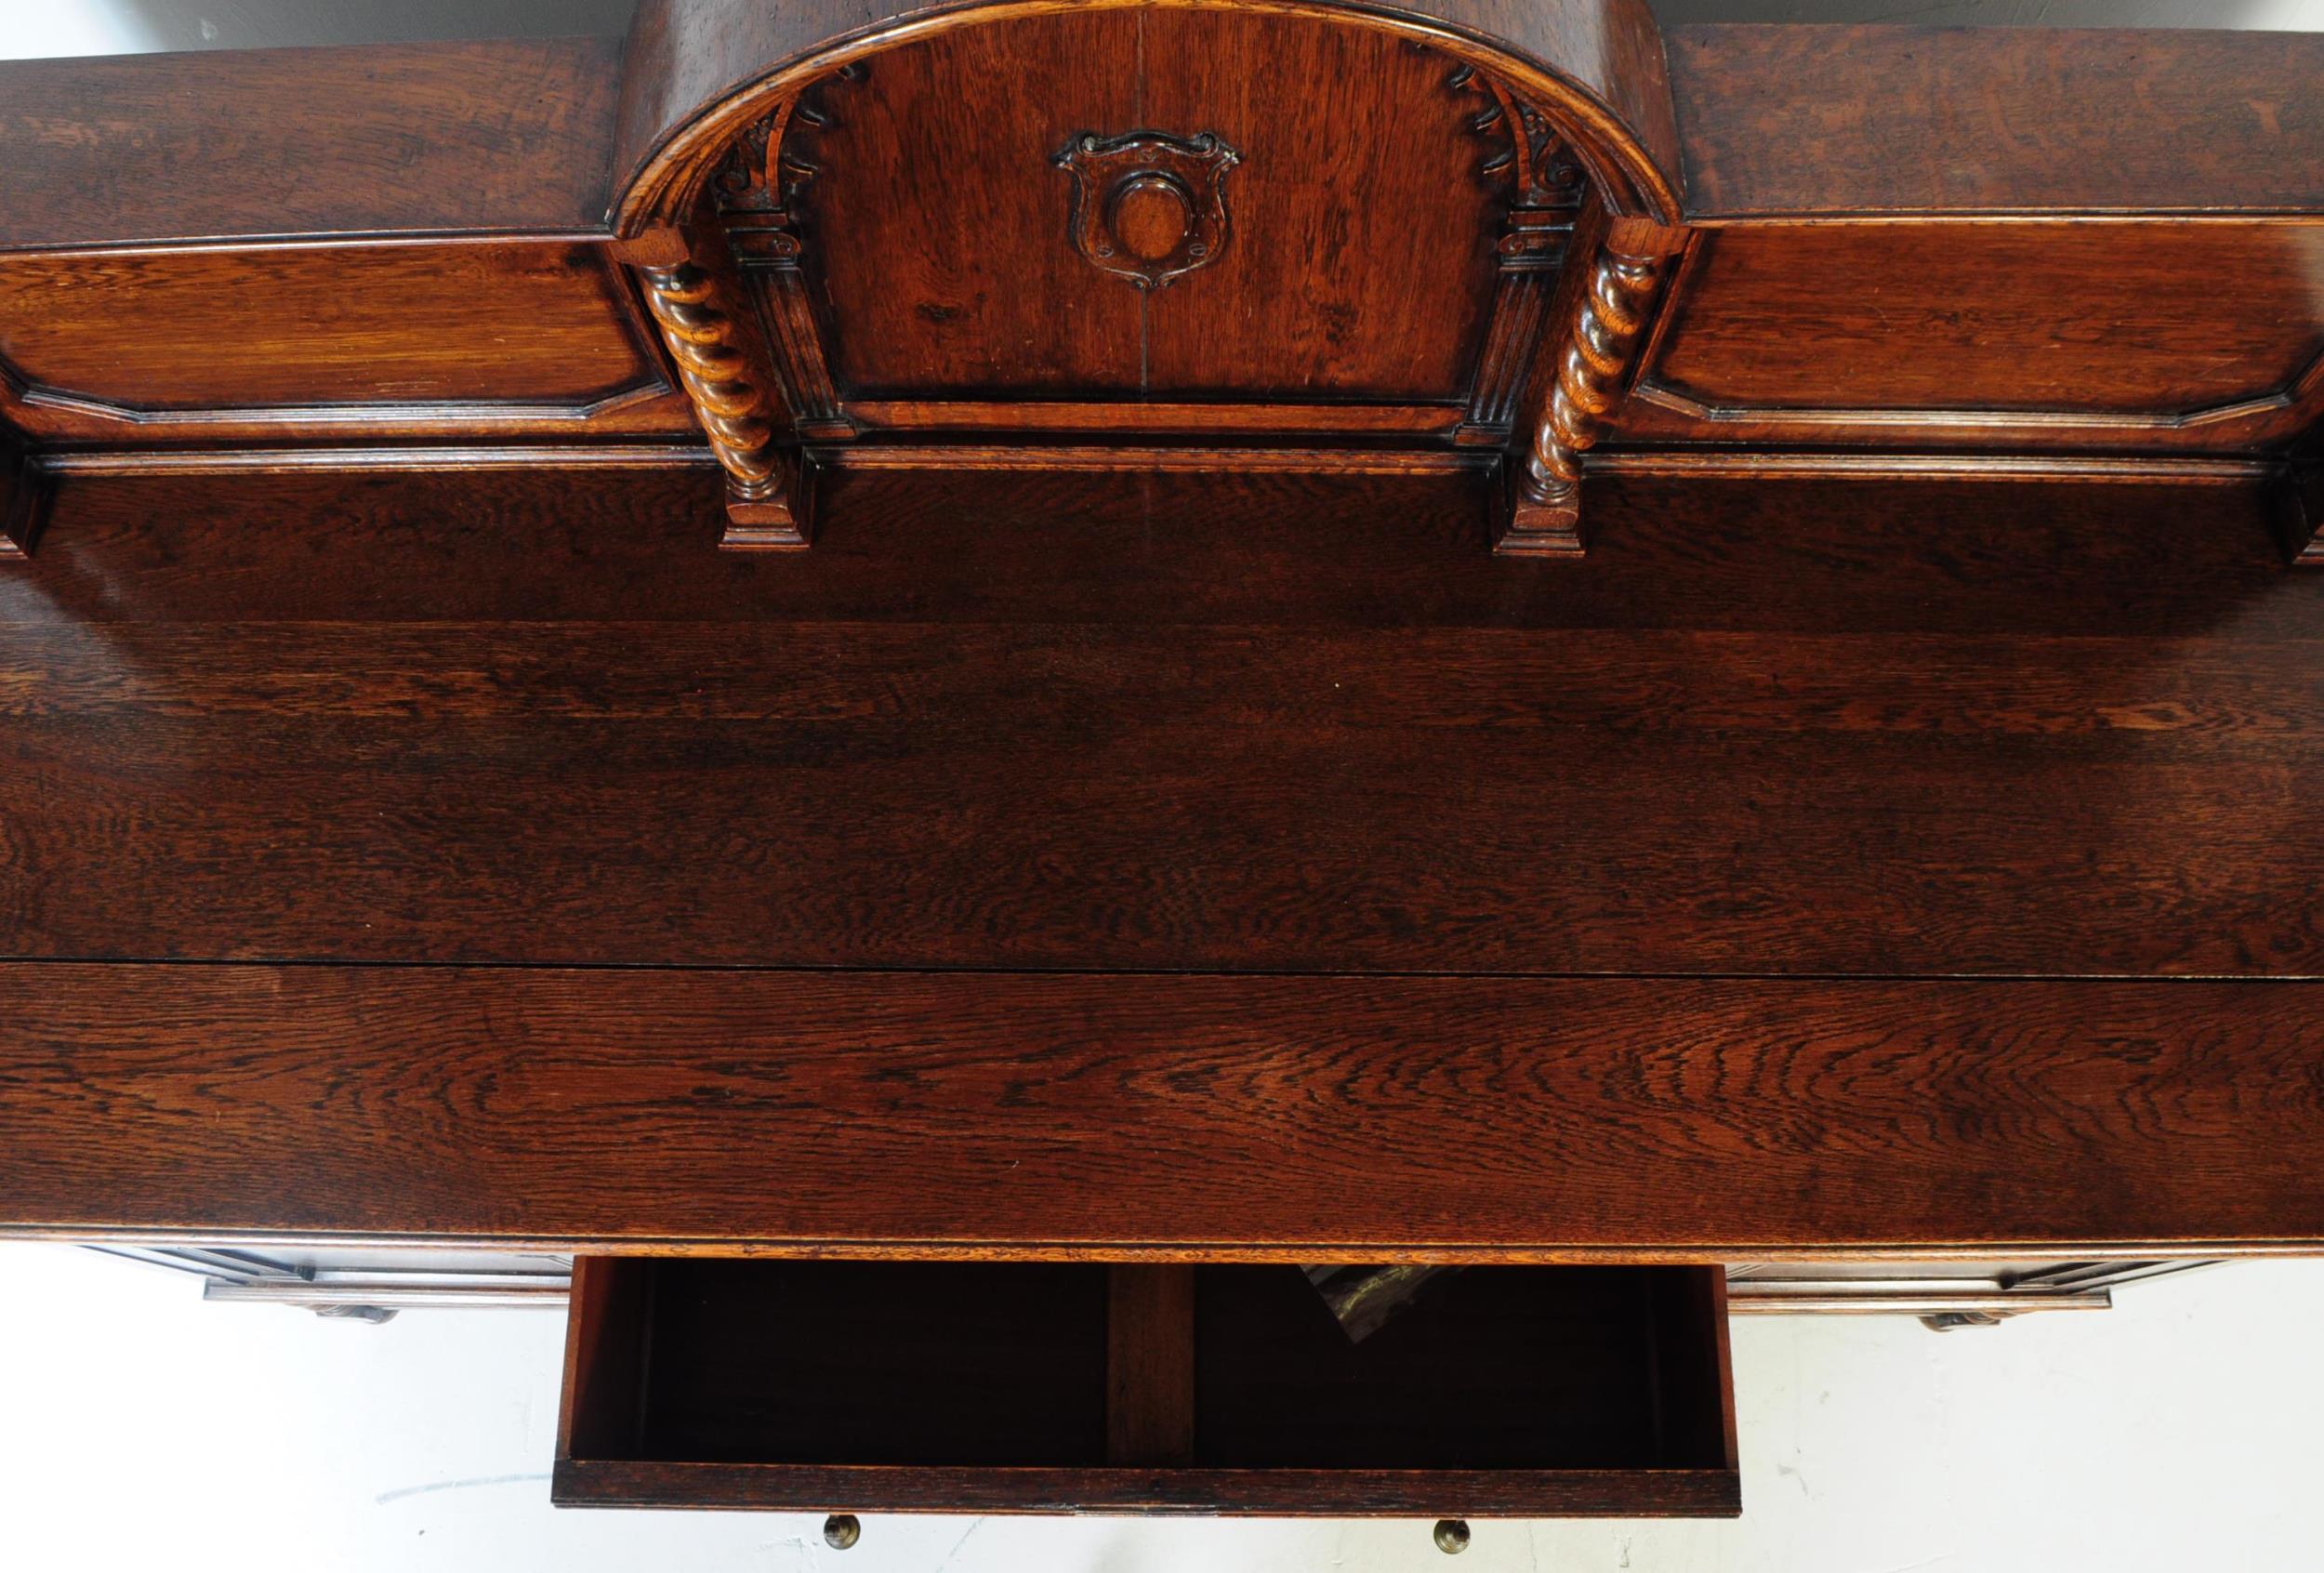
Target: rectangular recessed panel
[515,323]
[2141,321]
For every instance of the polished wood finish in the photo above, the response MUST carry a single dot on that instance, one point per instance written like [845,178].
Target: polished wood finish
[1276,1118]
[940,1386]
[1935,122]
[977,285]
[876,203]
[1149,1366]
[764,509]
[1153,631]
[1151,843]
[491,337]
[505,137]
[2126,730]
[699,70]
[1149,724]
[1600,313]
[2053,354]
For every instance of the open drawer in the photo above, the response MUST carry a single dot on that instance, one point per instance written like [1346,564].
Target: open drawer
[1002,1387]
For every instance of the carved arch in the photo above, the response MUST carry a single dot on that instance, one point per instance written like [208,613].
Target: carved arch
[716,89]
[703,73]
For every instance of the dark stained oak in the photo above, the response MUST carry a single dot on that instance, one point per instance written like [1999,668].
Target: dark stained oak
[1886,119]
[1791,554]
[1663,1493]
[938,281]
[1498,229]
[509,136]
[1277,1117]
[696,69]
[1324,262]
[181,344]
[1149,821]
[2001,317]
[1129,739]
[944,281]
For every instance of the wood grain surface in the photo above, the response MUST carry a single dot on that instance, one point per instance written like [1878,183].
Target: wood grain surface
[696,71]
[1464,1118]
[505,136]
[1779,730]
[1885,119]
[2087,318]
[1673,1493]
[194,336]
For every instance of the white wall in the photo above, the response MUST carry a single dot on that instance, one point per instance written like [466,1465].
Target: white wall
[38,28]
[142,1428]
[2292,15]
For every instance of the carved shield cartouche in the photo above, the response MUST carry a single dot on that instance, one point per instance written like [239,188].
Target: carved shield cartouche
[1148,207]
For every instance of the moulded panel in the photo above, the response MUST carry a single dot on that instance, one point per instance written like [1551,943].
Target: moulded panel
[2142,321]
[193,334]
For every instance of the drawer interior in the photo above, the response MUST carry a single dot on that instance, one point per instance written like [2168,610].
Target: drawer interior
[992,1387]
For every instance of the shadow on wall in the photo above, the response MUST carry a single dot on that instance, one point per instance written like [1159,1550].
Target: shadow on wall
[111,27]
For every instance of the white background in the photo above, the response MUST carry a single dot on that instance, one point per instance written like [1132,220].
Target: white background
[94,27]
[142,1428]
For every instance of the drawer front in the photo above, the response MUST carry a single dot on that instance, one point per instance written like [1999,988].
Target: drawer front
[1070,1387]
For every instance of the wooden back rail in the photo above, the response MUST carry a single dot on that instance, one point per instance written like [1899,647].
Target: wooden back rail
[807,232]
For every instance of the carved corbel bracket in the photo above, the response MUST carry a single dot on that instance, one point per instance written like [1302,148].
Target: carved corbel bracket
[1546,184]
[1603,309]
[756,194]
[743,330]
[765,503]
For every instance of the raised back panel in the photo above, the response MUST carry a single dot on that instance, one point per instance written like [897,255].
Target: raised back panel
[938,227]
[1367,226]
[1358,257]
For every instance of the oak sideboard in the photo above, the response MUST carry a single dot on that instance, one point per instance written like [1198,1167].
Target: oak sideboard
[916,697]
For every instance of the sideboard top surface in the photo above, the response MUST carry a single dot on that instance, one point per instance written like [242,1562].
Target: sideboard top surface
[1112,797]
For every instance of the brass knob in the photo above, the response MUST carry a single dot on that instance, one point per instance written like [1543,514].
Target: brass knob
[1452,1536]
[840,1531]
